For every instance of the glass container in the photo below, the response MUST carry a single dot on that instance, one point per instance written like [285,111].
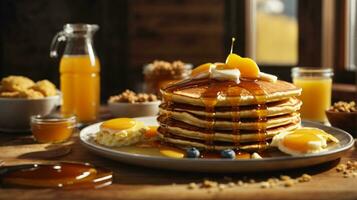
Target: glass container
[79,71]
[52,129]
[316,84]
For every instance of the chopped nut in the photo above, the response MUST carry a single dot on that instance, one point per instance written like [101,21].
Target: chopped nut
[304,178]
[221,186]
[240,183]
[341,167]
[264,184]
[192,186]
[342,106]
[284,177]
[209,184]
[231,184]
[273,180]
[289,183]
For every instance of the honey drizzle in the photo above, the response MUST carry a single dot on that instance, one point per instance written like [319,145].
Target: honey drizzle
[209,99]
[259,95]
[235,103]
[61,175]
[216,89]
[167,98]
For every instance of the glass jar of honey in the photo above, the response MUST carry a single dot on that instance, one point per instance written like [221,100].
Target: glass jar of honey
[159,74]
[316,84]
[52,129]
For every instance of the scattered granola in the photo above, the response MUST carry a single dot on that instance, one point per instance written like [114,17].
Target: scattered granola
[129,96]
[192,186]
[348,170]
[265,184]
[289,183]
[342,106]
[160,68]
[209,184]
[283,181]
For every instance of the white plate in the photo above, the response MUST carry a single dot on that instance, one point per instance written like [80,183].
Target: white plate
[219,165]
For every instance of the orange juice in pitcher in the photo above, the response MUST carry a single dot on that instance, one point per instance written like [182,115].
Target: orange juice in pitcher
[80,72]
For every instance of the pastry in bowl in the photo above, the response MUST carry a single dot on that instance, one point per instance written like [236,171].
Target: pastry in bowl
[21,98]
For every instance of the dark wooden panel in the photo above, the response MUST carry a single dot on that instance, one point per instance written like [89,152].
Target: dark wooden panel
[340,34]
[310,27]
[192,31]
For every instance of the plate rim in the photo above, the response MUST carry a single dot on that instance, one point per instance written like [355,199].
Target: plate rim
[106,150]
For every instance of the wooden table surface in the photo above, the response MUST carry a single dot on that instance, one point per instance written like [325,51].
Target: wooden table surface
[134,182]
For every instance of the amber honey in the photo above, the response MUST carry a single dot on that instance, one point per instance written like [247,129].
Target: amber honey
[60,175]
[52,129]
[215,89]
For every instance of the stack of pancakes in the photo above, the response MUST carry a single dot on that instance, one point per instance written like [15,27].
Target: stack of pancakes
[216,115]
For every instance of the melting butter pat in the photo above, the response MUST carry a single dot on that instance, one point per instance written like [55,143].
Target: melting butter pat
[267,77]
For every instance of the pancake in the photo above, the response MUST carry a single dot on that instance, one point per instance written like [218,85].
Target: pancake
[189,131]
[273,108]
[184,143]
[224,124]
[215,115]
[227,93]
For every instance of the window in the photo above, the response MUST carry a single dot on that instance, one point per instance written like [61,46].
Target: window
[353,35]
[276,39]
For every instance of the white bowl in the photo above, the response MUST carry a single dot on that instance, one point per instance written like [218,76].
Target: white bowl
[121,109]
[15,113]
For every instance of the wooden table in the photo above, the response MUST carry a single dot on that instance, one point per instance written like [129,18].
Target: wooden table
[133,182]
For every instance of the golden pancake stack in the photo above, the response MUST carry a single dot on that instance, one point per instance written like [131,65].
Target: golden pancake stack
[212,114]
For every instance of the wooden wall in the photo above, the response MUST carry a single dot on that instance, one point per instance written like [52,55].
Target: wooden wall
[131,34]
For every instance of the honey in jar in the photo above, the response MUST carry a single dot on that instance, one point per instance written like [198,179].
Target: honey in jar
[52,129]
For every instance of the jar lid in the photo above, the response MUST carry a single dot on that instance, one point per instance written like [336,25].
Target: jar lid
[311,72]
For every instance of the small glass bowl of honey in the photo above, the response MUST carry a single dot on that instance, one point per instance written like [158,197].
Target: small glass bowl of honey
[52,128]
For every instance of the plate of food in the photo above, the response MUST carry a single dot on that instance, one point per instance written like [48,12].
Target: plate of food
[226,117]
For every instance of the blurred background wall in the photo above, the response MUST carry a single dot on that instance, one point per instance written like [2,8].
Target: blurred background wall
[131,34]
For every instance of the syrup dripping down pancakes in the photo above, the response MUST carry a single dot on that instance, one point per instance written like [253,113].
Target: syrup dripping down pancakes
[215,114]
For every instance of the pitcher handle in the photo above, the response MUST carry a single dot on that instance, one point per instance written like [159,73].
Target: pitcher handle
[59,37]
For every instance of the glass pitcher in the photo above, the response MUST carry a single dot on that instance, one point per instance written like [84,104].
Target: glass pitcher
[79,71]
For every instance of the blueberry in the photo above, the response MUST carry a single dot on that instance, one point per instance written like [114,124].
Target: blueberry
[228,153]
[193,153]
